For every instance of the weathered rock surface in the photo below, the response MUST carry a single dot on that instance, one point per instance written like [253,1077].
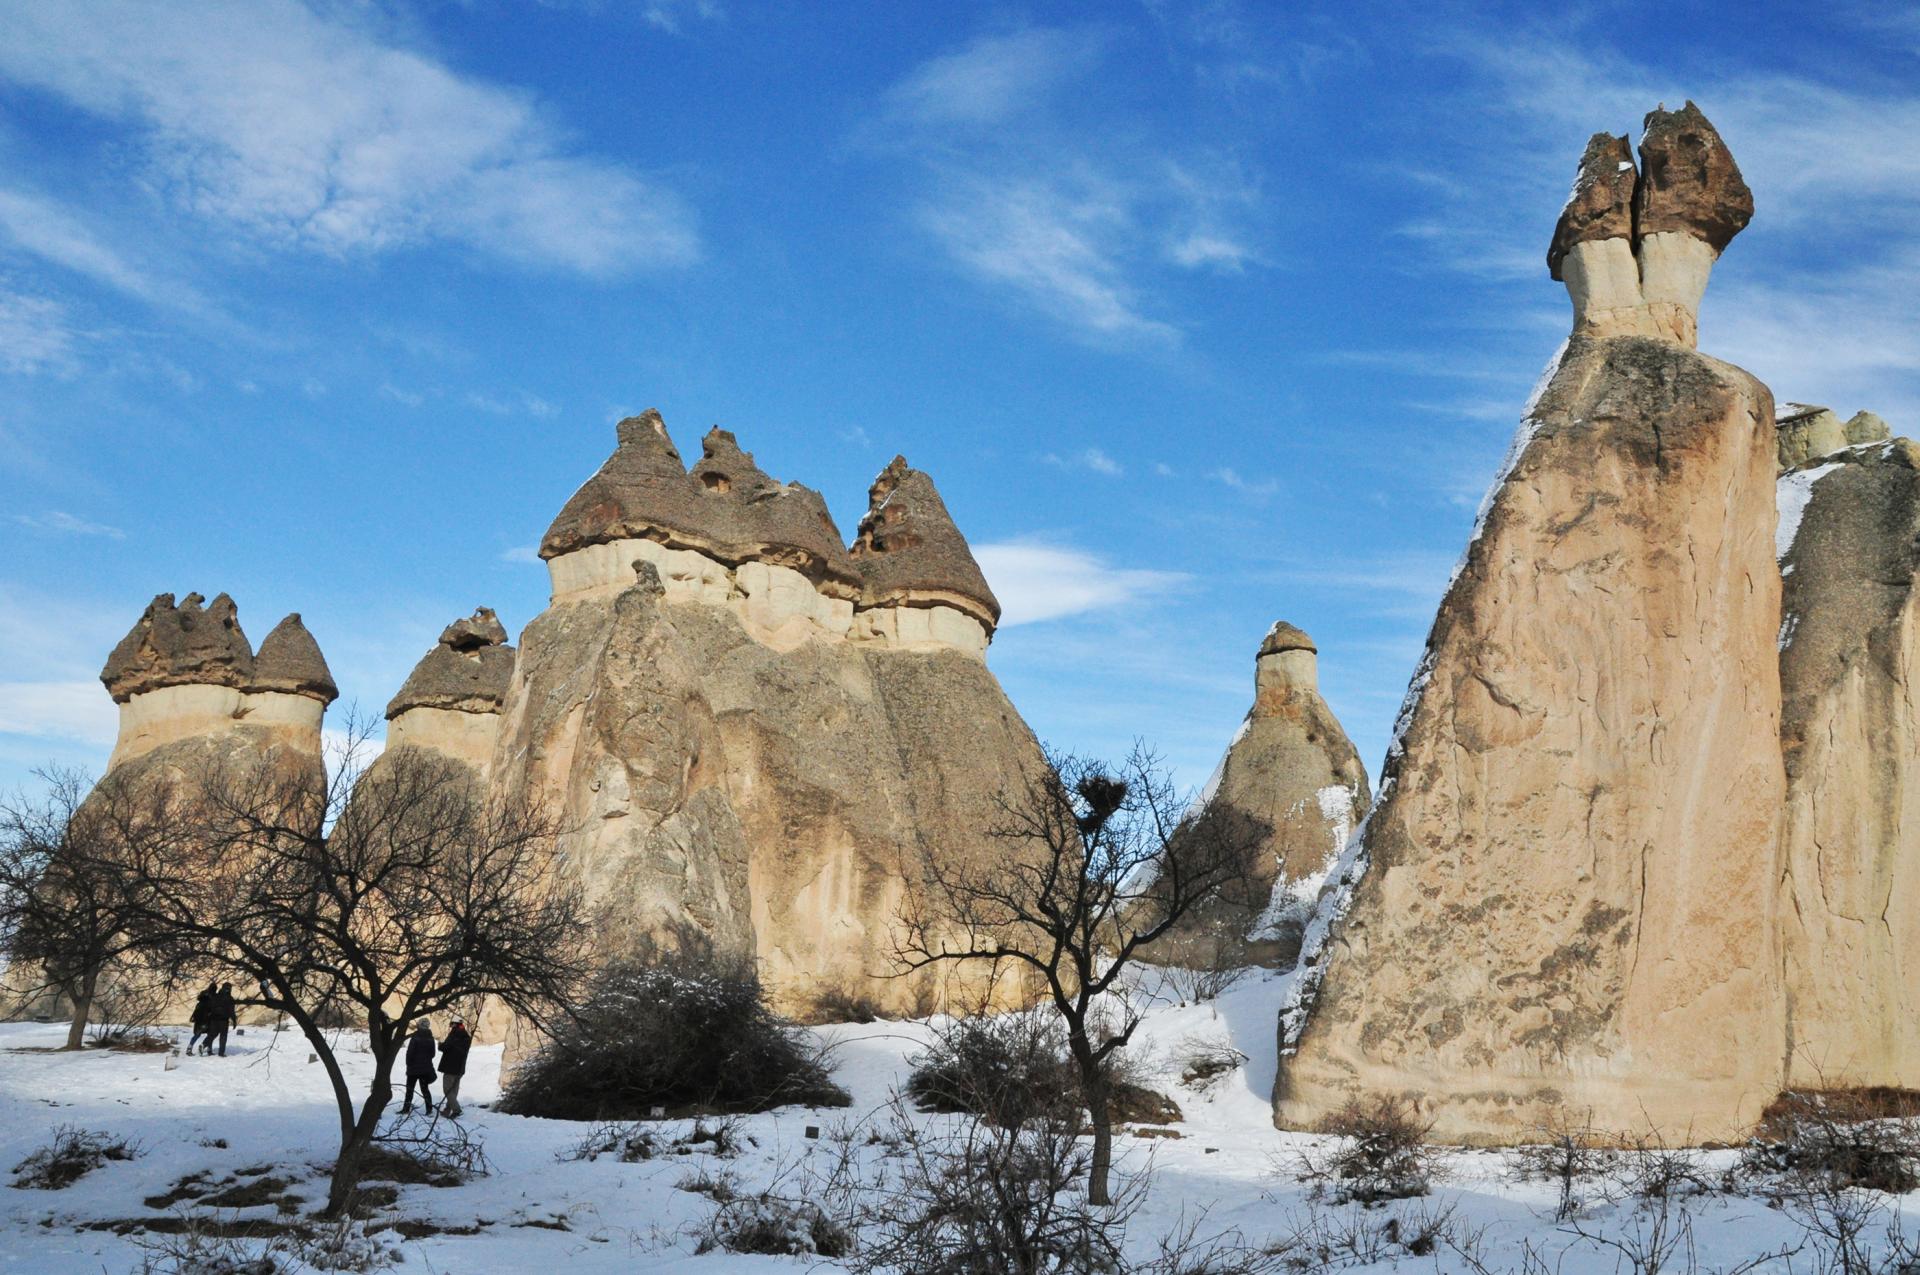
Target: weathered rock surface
[1640,270]
[190,644]
[1806,432]
[1292,769]
[1849,663]
[1566,891]
[451,702]
[751,730]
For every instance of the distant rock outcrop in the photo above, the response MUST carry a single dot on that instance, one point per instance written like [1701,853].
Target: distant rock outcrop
[1849,539]
[1564,898]
[751,729]
[1292,769]
[1805,432]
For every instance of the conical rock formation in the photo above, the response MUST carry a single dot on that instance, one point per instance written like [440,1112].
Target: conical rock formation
[1292,769]
[1563,901]
[751,730]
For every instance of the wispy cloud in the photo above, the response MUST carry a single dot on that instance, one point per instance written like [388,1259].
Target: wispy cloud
[78,711]
[520,404]
[521,554]
[1036,581]
[47,230]
[36,334]
[66,524]
[308,128]
[1092,458]
[674,16]
[1081,239]
[406,398]
[1258,488]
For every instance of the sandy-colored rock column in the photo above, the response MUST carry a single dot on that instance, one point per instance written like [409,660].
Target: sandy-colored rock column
[1849,664]
[1563,903]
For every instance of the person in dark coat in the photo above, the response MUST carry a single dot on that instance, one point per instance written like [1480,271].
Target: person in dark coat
[453,1065]
[419,1068]
[224,1015]
[202,1015]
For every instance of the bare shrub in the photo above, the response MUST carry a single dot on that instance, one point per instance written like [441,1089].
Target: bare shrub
[1334,1238]
[623,1140]
[1382,1153]
[722,1187]
[1196,985]
[773,1225]
[844,1003]
[128,1003]
[197,1249]
[1007,1068]
[1652,1170]
[1569,1154]
[1836,1138]
[684,1029]
[428,1150]
[1207,1061]
[71,1155]
[345,1245]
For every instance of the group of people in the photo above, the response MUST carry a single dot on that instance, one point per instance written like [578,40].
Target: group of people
[213,1013]
[453,1066]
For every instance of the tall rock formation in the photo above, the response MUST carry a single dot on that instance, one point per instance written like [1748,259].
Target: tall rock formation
[1291,768]
[450,704]
[750,729]
[1849,537]
[1564,899]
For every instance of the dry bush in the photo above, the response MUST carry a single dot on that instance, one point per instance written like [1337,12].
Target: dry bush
[196,1250]
[1010,1069]
[844,1003]
[773,1225]
[426,1150]
[1811,1140]
[73,1153]
[1652,1170]
[1382,1153]
[1206,1061]
[678,1030]
[1337,1238]
[1569,1154]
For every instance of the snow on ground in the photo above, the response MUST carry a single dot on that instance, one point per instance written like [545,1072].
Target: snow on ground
[537,1212]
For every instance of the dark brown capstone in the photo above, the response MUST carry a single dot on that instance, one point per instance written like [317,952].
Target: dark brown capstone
[1601,205]
[727,507]
[289,660]
[467,671]
[1285,637]
[184,645]
[908,548]
[1688,180]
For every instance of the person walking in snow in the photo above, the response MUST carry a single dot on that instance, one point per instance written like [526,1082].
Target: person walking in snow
[419,1068]
[453,1065]
[202,1015]
[224,1014]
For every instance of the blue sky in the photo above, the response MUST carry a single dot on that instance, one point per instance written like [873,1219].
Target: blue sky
[1201,315]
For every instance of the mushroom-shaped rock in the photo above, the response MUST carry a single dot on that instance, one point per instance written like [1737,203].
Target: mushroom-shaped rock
[183,645]
[1689,182]
[909,551]
[754,517]
[290,661]
[1285,637]
[1601,205]
[642,491]
[467,671]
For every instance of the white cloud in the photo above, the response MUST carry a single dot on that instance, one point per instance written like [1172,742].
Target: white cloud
[1233,478]
[526,403]
[313,131]
[1036,582]
[1163,469]
[36,334]
[77,711]
[1208,251]
[993,78]
[48,231]
[671,16]
[521,553]
[406,398]
[67,524]
[1092,458]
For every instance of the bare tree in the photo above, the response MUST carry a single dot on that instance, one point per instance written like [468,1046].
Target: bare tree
[394,893]
[1091,867]
[58,914]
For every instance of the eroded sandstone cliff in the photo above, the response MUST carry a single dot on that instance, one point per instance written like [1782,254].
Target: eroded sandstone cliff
[1564,900]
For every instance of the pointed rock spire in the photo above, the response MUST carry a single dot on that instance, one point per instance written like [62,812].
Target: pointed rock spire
[643,487]
[183,645]
[909,550]
[289,660]
[467,671]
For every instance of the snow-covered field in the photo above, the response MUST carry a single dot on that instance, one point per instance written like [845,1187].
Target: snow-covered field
[539,1212]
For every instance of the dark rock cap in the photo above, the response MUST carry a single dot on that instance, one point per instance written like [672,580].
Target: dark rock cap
[1285,637]
[467,671]
[1688,180]
[908,545]
[726,507]
[289,660]
[1601,205]
[184,645]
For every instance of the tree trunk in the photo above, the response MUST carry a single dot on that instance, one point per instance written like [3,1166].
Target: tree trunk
[1099,1170]
[353,1146]
[82,1008]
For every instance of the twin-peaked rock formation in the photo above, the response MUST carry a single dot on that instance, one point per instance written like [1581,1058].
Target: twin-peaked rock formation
[1292,770]
[193,691]
[1567,896]
[751,729]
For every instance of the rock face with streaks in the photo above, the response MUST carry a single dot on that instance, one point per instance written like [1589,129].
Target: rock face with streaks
[1564,899]
[752,729]
[1292,769]
[1849,537]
